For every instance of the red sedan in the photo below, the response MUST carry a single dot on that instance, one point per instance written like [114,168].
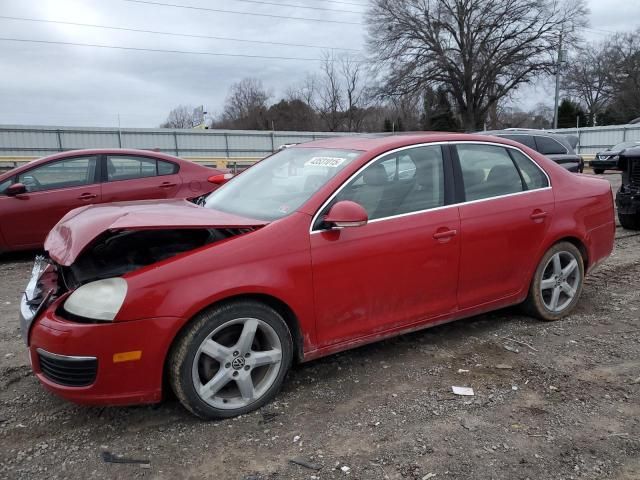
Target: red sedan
[33,197]
[319,248]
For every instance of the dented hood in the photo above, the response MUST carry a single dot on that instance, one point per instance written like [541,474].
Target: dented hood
[81,226]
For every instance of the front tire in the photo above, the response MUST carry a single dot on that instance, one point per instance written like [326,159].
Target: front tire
[629,222]
[557,283]
[231,359]
[598,171]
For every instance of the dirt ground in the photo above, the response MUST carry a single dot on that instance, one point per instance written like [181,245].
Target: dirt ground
[552,401]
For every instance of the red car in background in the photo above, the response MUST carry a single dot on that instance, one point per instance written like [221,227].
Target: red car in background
[34,196]
[316,249]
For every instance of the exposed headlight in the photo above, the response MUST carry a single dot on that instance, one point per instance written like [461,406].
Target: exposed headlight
[99,300]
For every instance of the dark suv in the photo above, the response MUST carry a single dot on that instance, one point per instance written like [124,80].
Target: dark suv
[558,148]
[628,197]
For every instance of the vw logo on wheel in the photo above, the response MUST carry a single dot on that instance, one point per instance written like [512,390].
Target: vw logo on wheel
[237,363]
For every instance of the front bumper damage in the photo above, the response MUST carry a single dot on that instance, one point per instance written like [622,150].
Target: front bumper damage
[82,362]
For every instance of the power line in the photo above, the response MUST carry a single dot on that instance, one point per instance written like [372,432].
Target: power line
[348,3]
[158,32]
[158,50]
[218,10]
[262,2]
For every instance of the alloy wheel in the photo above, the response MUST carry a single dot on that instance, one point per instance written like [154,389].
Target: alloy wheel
[237,363]
[560,281]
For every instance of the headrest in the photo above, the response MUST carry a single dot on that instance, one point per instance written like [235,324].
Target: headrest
[503,174]
[472,177]
[375,175]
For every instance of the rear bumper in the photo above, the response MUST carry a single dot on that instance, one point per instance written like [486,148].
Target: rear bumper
[114,382]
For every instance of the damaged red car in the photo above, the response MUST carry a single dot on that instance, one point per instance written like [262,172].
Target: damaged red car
[319,248]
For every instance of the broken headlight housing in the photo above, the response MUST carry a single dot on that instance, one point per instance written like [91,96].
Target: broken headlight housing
[99,300]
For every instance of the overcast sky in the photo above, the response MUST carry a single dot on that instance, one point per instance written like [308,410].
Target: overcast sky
[50,84]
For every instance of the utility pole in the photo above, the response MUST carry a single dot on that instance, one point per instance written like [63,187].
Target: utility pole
[558,65]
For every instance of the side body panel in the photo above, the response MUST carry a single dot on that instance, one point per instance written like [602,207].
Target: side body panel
[388,273]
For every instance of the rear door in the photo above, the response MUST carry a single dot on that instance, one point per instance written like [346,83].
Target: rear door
[136,177]
[52,190]
[506,210]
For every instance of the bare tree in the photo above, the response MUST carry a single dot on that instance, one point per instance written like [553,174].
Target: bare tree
[179,117]
[478,50]
[625,53]
[355,93]
[588,78]
[246,105]
[328,99]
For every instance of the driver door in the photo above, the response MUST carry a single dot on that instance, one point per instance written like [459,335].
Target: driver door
[53,189]
[399,269]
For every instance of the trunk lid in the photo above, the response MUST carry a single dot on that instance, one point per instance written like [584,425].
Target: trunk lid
[81,226]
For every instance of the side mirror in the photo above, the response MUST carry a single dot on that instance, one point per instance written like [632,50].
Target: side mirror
[16,189]
[346,214]
[220,179]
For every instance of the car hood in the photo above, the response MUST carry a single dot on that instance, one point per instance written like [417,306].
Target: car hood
[81,226]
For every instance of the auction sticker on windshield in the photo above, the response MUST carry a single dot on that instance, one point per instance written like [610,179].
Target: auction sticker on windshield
[333,162]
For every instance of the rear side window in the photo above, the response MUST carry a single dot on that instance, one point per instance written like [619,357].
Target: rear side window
[167,168]
[550,146]
[526,140]
[72,172]
[487,171]
[531,174]
[120,167]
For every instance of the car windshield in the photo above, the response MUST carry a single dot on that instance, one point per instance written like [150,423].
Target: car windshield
[279,184]
[623,145]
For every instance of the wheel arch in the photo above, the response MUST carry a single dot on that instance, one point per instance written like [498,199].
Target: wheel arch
[579,244]
[277,304]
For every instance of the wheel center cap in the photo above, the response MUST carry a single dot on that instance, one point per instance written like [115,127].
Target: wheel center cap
[238,363]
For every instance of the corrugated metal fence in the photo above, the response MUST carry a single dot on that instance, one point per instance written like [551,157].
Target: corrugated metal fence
[22,143]
[593,139]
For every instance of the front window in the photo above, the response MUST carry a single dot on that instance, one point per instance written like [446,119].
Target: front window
[281,183]
[71,172]
[4,185]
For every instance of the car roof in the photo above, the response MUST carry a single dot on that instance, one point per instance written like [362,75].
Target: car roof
[564,139]
[390,141]
[92,151]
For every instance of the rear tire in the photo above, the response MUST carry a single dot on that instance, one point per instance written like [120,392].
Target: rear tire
[629,222]
[230,360]
[557,283]
[598,171]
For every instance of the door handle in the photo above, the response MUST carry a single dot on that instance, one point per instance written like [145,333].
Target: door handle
[167,185]
[538,215]
[444,234]
[87,196]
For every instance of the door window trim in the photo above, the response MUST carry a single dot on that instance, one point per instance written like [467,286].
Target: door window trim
[447,159]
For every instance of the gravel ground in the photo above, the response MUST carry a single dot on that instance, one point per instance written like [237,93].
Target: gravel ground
[552,401]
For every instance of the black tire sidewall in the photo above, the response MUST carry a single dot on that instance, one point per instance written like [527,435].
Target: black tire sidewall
[629,221]
[183,354]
